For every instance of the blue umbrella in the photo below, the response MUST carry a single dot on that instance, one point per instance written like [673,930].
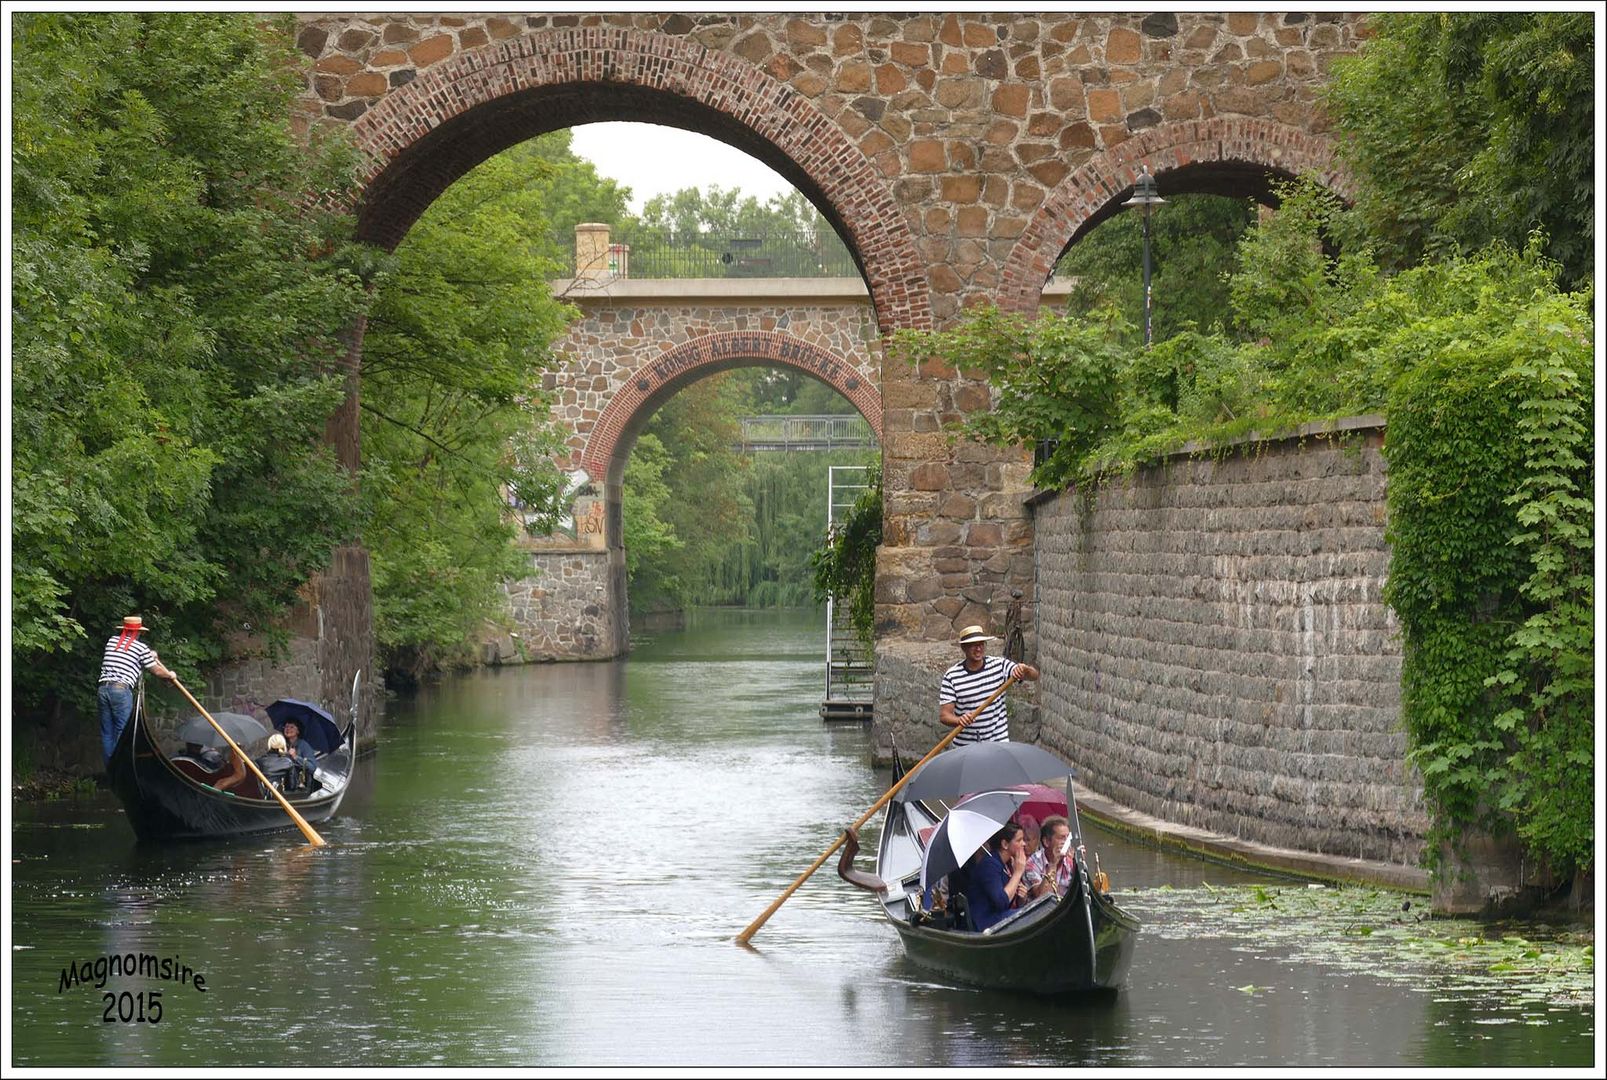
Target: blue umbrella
[318,728]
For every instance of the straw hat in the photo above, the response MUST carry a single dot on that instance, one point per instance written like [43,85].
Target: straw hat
[973,634]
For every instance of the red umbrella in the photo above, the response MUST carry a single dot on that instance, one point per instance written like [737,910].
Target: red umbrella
[1042,802]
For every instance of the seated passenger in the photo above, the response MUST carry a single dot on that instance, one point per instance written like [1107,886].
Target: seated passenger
[301,752]
[276,764]
[990,889]
[1047,871]
[208,756]
[234,774]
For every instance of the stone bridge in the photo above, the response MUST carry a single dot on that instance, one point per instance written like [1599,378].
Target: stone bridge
[957,155]
[635,345]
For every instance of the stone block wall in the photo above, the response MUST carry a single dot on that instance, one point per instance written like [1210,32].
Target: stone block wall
[1216,650]
[565,611]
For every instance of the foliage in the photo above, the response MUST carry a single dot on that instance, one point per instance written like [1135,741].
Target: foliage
[845,566]
[1055,380]
[454,423]
[1470,127]
[691,234]
[1192,239]
[1491,567]
[651,543]
[177,309]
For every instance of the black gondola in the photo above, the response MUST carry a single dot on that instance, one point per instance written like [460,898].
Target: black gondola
[170,798]
[1080,942]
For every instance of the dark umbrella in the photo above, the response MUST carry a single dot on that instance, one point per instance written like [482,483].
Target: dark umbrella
[968,826]
[318,728]
[984,766]
[241,728]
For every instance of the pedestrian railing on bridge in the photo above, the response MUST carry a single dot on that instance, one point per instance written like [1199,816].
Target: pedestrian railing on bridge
[656,254]
[780,433]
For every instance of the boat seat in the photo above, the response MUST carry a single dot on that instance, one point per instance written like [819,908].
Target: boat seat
[192,768]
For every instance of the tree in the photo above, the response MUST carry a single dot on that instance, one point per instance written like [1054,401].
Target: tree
[1191,239]
[454,420]
[177,310]
[1470,127]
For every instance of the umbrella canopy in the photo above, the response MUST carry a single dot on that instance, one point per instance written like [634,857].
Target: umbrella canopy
[965,828]
[241,728]
[984,767]
[1042,802]
[318,728]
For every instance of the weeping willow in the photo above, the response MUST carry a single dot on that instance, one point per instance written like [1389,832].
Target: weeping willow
[768,566]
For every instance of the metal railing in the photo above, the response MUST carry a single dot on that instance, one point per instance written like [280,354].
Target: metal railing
[656,255]
[848,431]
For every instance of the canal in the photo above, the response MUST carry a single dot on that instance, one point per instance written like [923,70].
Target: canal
[545,866]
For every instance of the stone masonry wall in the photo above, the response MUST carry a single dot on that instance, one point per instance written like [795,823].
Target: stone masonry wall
[563,612]
[1216,650]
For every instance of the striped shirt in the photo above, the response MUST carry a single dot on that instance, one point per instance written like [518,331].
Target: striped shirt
[968,689]
[124,665]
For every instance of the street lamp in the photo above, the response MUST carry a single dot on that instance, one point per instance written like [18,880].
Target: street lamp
[1146,198]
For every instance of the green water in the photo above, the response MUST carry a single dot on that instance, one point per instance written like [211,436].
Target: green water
[545,866]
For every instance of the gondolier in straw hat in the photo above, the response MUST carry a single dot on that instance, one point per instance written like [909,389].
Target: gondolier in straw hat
[124,662]
[969,683]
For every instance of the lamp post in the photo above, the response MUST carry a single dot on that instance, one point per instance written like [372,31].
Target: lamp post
[1146,199]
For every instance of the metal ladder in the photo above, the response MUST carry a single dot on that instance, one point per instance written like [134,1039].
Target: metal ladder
[850,667]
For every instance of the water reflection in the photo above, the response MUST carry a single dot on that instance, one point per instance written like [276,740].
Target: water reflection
[546,866]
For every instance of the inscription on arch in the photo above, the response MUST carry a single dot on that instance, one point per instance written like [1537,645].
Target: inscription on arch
[658,378]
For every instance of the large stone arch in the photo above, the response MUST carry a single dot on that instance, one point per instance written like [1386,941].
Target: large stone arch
[1223,155]
[657,381]
[422,136]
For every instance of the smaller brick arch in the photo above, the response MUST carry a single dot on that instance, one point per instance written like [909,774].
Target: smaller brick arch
[656,382]
[1222,155]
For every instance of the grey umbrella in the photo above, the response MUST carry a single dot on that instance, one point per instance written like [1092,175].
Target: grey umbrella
[241,728]
[984,767]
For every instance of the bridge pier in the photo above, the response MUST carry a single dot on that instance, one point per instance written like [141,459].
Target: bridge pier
[572,604]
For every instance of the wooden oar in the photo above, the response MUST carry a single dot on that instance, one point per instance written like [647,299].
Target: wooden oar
[753,927]
[301,823]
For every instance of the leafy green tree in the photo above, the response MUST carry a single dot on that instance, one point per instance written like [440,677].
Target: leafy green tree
[454,421]
[1469,127]
[1192,240]
[177,310]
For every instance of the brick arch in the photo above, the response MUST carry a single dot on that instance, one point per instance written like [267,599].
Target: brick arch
[422,136]
[1222,155]
[658,380]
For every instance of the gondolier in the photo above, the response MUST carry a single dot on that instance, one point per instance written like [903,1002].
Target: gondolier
[970,682]
[122,665]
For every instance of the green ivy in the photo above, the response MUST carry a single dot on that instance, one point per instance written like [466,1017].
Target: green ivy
[845,567]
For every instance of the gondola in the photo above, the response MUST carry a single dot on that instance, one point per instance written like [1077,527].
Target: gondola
[1077,943]
[170,798]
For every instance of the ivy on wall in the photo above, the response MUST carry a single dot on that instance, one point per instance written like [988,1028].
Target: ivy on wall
[1490,517]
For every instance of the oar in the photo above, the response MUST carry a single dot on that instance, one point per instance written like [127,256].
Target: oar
[301,823]
[753,927]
